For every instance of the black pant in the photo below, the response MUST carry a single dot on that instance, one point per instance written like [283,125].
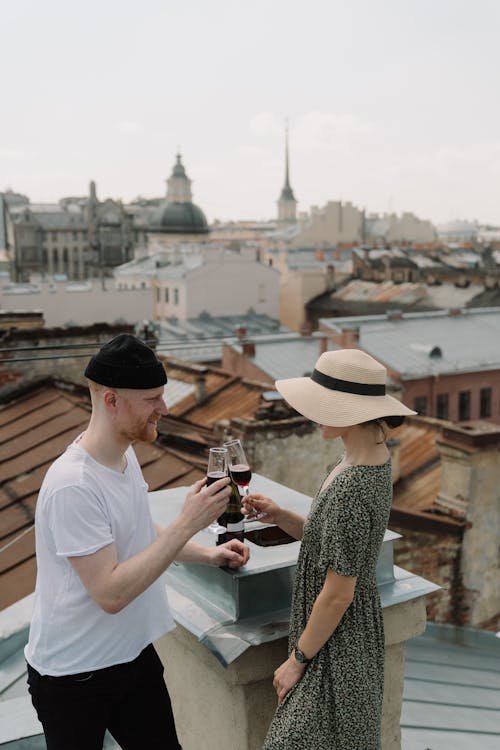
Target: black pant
[130,700]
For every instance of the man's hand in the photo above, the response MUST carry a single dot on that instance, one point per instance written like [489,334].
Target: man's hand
[204,504]
[286,676]
[233,554]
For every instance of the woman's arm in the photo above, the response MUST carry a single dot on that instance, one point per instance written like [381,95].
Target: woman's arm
[332,602]
[261,507]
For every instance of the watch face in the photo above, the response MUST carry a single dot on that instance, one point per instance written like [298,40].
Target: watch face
[300,657]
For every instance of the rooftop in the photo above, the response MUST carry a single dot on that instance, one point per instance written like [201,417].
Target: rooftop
[403,342]
[285,356]
[451,698]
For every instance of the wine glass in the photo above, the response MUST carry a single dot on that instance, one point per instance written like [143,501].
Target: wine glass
[239,468]
[217,469]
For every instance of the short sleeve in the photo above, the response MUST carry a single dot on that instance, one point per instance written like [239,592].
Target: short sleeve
[346,530]
[78,522]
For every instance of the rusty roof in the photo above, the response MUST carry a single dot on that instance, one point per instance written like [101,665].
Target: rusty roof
[36,428]
[38,424]
[416,502]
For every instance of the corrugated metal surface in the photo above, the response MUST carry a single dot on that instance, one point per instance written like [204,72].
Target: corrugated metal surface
[451,697]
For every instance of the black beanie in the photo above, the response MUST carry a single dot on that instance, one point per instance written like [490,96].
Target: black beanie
[126,362]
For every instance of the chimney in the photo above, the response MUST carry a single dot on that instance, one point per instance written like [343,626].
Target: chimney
[395,315]
[240,332]
[470,456]
[323,345]
[200,389]
[248,348]
[349,337]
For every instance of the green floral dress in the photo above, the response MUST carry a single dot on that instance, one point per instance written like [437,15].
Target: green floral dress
[337,704]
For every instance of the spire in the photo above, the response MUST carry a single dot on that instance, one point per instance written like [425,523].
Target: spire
[287,192]
[179,184]
[287,203]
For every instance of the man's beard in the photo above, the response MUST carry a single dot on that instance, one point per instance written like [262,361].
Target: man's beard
[144,432]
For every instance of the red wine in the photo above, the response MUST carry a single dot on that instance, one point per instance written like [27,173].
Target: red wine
[241,474]
[213,476]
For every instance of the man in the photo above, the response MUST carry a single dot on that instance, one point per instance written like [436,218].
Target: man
[99,603]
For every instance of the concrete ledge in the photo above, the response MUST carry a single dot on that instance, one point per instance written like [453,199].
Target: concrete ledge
[199,685]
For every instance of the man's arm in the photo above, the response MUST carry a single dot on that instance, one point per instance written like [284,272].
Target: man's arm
[233,554]
[113,585]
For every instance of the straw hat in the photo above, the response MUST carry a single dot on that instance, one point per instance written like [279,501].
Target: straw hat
[346,388]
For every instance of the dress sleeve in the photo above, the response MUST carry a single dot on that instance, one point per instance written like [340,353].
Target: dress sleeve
[346,530]
[78,522]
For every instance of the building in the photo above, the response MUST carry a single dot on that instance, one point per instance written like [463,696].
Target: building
[305,274]
[403,229]
[82,237]
[446,362]
[176,217]
[76,238]
[335,224]
[215,281]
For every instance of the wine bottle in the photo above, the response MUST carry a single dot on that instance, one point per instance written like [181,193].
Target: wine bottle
[232,518]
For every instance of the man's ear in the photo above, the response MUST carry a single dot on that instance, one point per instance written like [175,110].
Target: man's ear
[110,399]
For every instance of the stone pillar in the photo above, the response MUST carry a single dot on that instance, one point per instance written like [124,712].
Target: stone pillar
[231,708]
[470,485]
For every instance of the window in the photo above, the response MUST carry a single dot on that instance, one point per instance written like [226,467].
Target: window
[442,409]
[420,405]
[485,402]
[262,293]
[75,235]
[158,294]
[166,294]
[463,405]
[176,296]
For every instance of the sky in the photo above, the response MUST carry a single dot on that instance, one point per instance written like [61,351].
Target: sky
[392,104]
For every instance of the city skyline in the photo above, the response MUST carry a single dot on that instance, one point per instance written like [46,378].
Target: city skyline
[393,108]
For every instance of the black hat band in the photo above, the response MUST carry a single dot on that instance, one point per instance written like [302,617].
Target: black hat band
[348,386]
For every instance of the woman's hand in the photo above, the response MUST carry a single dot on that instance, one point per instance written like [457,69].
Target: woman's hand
[258,506]
[233,554]
[286,676]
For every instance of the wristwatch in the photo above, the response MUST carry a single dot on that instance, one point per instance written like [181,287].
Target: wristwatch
[300,656]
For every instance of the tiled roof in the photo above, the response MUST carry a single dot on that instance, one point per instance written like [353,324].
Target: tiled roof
[36,428]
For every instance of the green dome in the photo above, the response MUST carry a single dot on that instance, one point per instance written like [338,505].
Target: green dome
[180,218]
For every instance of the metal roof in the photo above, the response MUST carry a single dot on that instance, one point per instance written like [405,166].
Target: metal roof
[468,340]
[286,356]
[451,698]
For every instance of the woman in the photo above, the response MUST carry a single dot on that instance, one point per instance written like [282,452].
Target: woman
[331,686]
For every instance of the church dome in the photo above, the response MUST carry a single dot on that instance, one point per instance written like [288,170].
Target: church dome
[177,214]
[180,218]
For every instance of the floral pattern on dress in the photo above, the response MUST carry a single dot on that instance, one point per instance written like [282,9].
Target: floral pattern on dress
[337,705]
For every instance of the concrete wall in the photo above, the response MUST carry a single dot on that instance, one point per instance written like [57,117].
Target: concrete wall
[297,287]
[434,555]
[474,475]
[231,708]
[94,305]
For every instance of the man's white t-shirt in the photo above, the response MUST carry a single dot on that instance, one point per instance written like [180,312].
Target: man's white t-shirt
[82,507]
